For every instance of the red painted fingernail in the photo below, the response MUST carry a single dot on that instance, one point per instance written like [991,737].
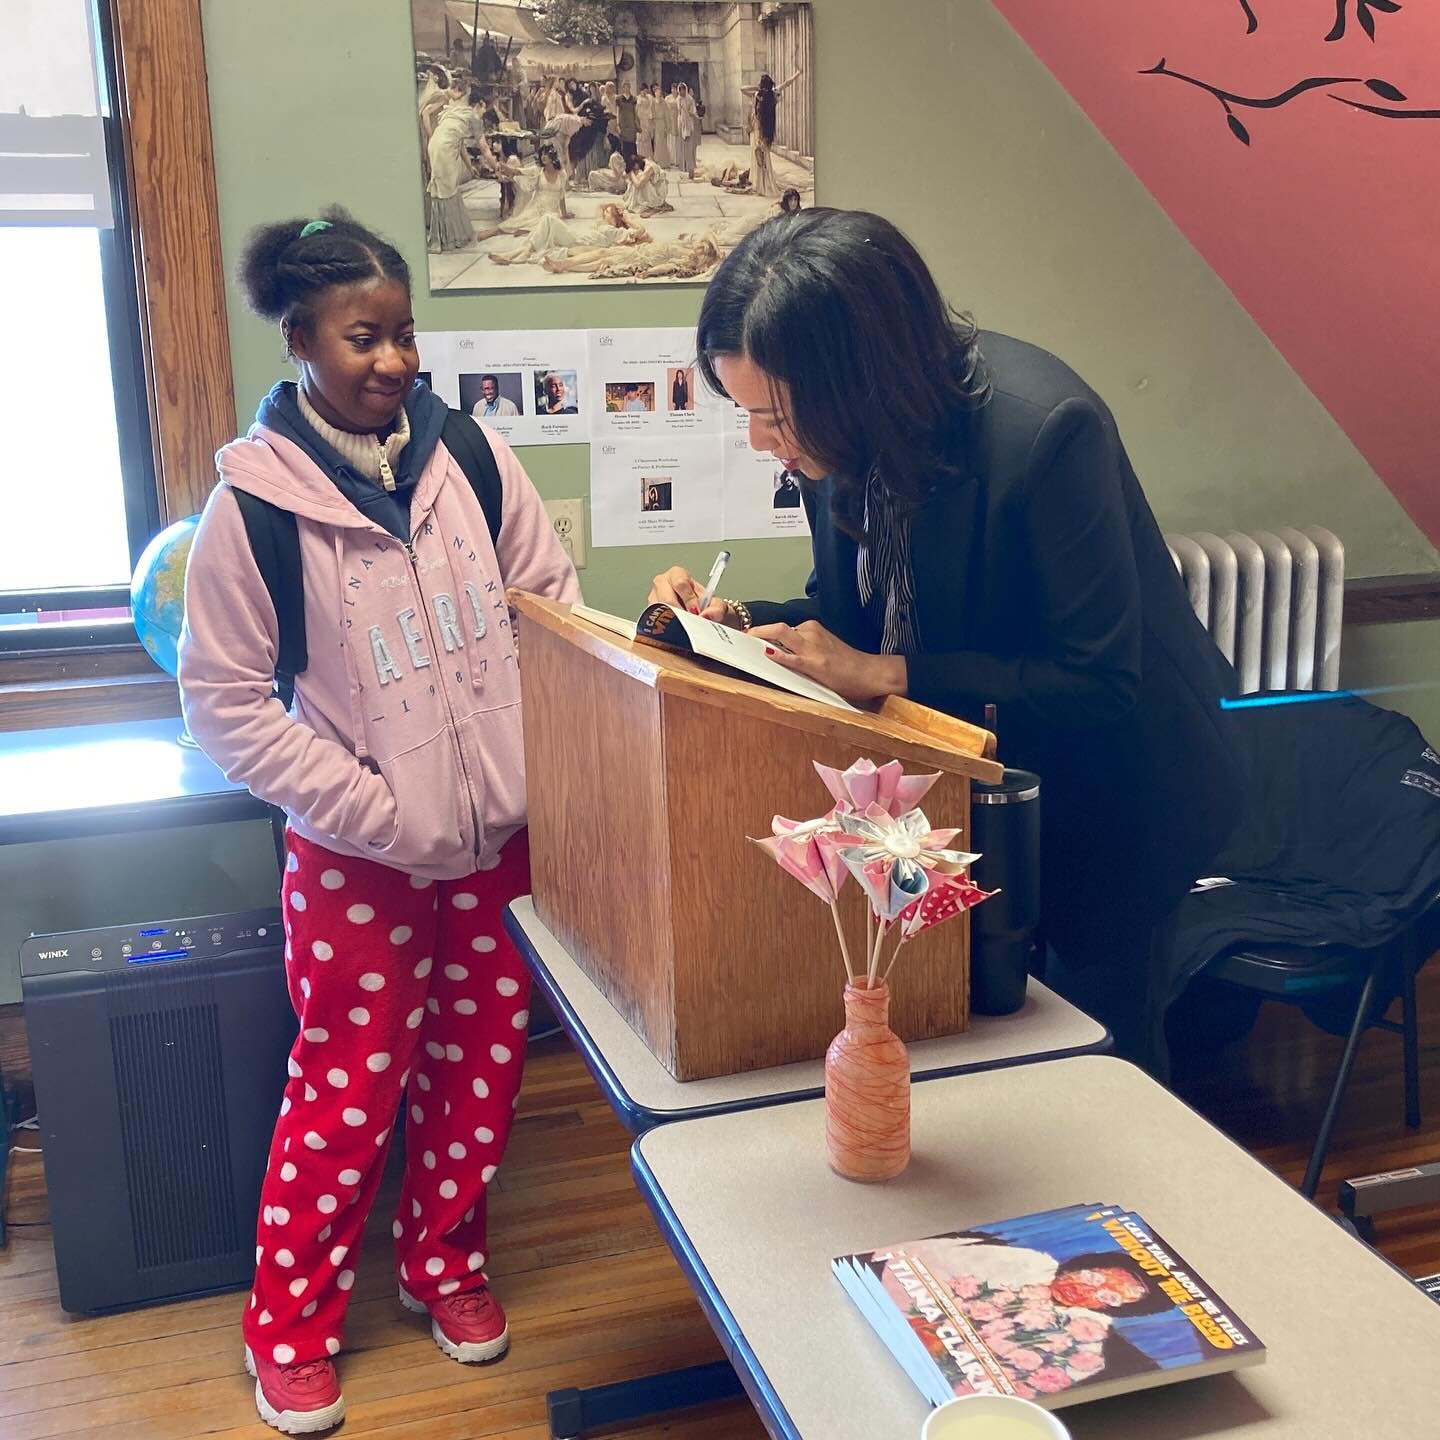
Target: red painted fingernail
[770,650]
[694,609]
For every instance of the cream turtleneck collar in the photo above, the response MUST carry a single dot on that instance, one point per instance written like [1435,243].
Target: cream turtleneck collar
[367,454]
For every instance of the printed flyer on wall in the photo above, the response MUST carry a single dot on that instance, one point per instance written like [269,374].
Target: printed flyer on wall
[655,491]
[528,385]
[646,383]
[762,498]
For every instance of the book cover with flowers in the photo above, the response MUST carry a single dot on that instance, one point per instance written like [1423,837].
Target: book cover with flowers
[1059,1307]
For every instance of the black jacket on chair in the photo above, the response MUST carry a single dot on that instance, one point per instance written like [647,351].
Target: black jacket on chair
[1044,586]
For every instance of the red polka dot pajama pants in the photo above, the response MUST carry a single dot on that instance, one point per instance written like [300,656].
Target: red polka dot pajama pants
[410,991]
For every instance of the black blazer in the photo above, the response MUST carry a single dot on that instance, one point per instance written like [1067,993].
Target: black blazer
[1043,585]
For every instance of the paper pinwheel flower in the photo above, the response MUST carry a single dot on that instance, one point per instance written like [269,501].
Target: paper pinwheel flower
[865,784]
[947,897]
[911,877]
[896,859]
[794,845]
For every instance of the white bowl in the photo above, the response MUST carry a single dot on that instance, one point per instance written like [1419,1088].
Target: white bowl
[981,1417]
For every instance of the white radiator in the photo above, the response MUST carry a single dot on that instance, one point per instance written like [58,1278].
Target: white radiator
[1272,600]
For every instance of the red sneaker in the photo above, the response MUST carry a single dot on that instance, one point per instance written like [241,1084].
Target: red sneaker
[299,1398]
[469,1327]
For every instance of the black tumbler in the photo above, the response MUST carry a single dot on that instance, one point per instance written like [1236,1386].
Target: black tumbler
[1005,830]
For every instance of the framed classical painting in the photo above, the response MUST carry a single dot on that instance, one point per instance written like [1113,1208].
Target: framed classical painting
[581,142]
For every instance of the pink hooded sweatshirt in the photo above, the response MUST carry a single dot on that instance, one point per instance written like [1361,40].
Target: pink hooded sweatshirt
[405,742]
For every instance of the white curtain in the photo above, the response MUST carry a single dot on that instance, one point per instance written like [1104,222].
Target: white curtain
[53,167]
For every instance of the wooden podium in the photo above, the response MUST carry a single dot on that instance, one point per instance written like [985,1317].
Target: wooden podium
[647,770]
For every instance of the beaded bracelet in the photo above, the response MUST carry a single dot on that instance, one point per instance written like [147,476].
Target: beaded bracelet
[740,610]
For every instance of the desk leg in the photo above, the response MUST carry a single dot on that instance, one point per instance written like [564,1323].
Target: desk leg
[576,1413]
[278,821]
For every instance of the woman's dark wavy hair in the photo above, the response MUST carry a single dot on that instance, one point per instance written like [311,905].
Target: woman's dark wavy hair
[282,274]
[1153,1302]
[839,306]
[765,99]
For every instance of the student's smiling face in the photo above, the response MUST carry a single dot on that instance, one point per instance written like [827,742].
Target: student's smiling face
[358,354]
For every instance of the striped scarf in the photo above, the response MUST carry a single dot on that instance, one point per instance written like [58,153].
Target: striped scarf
[887,584]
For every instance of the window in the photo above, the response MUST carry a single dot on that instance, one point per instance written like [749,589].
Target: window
[77,477]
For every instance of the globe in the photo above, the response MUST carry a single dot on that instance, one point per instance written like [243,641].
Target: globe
[157,592]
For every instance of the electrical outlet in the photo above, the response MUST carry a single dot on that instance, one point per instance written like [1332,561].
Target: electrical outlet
[568,518]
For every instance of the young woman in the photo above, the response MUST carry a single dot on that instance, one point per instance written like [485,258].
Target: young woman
[790,202]
[680,391]
[982,539]
[555,105]
[610,178]
[671,106]
[552,236]
[600,136]
[629,120]
[664,130]
[587,147]
[687,129]
[439,93]
[401,769]
[509,171]
[732,178]
[644,124]
[570,135]
[689,258]
[763,99]
[460,129]
[647,189]
[610,99]
[546,199]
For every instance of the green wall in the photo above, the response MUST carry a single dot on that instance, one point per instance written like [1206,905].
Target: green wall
[933,113]
[334,122]
[941,119]
[952,128]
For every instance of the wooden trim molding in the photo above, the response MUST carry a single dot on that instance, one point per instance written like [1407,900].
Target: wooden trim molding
[165,113]
[169,158]
[98,700]
[1387,599]
[83,687]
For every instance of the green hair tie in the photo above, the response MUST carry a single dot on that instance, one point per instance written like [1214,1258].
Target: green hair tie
[314,228]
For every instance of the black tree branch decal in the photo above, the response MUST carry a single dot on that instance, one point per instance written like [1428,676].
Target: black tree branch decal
[1229,100]
[1337,31]
[1386,112]
[1362,15]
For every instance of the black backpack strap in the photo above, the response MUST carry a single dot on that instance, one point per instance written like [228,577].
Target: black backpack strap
[466,441]
[275,542]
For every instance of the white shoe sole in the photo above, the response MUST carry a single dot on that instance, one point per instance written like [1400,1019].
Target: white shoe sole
[293,1422]
[468,1353]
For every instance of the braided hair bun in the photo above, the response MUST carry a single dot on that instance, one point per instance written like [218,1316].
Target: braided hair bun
[288,263]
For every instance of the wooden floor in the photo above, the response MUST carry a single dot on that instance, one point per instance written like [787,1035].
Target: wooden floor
[592,1292]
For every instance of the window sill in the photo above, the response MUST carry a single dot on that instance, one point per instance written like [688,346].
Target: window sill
[83,687]
[1388,599]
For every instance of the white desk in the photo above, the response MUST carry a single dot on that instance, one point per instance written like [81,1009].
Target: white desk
[109,779]
[754,1216]
[644,1093]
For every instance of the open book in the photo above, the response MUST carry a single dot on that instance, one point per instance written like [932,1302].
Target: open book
[1063,1306]
[678,630]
